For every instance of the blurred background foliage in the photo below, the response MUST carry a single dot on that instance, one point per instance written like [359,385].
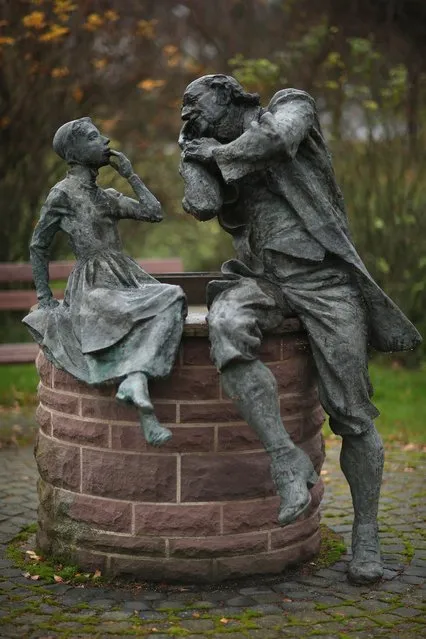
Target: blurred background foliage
[126,65]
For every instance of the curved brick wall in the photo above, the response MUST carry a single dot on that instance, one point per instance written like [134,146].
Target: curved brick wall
[201,508]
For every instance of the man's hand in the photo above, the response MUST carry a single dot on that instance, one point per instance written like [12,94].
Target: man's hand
[122,164]
[155,217]
[48,302]
[200,150]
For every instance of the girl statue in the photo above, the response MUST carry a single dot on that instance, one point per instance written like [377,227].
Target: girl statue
[116,324]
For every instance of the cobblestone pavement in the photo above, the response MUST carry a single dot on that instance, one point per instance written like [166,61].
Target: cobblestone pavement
[323,604]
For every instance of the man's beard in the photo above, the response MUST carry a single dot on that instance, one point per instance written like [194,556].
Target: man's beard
[223,130]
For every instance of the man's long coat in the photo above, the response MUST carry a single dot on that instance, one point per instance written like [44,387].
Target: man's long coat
[287,142]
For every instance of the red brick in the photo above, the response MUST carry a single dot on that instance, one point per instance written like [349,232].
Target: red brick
[140,477]
[196,352]
[44,368]
[208,413]
[305,425]
[185,439]
[270,350]
[88,560]
[317,493]
[299,530]
[238,437]
[168,570]
[295,403]
[79,431]
[272,562]
[112,410]
[108,409]
[188,384]
[296,346]
[314,447]
[221,546]
[212,477]
[44,419]
[294,376]
[290,326]
[61,402]
[64,381]
[127,544]
[246,516]
[58,464]
[105,514]
[177,520]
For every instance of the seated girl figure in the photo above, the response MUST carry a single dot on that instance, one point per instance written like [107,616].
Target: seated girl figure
[116,322]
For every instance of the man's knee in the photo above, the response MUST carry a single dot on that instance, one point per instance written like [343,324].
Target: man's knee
[367,440]
[223,319]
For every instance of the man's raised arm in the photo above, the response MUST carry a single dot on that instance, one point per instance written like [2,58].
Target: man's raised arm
[278,133]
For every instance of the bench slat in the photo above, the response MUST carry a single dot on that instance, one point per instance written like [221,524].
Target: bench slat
[22,272]
[18,353]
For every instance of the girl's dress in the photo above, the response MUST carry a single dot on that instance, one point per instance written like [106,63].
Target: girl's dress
[115,318]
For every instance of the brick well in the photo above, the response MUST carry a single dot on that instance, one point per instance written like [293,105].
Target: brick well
[200,509]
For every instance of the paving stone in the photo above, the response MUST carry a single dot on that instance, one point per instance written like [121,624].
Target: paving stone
[394,586]
[227,611]
[266,609]
[136,605]
[411,579]
[347,611]
[219,595]
[240,602]
[198,625]
[152,615]
[406,612]
[295,606]
[168,605]
[202,605]
[7,586]
[253,590]
[390,619]
[102,603]
[116,615]
[151,596]
[327,586]
[328,600]
[112,626]
[372,605]
[416,571]
[389,575]
[261,634]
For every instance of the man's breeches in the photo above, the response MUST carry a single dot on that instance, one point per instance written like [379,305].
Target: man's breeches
[332,312]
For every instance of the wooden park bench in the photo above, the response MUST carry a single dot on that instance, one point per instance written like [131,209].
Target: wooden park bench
[166,270]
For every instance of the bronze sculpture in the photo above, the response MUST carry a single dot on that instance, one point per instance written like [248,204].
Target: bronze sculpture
[116,322]
[267,175]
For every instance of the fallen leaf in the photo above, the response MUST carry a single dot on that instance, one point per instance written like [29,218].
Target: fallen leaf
[287,599]
[409,447]
[27,575]
[58,579]
[196,615]
[35,577]
[224,620]
[97,574]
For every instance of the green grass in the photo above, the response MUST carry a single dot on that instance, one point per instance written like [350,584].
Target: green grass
[18,384]
[400,396]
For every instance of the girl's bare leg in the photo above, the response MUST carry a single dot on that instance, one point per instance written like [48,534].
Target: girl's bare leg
[134,390]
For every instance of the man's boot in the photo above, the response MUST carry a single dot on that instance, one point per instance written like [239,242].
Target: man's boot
[362,459]
[253,388]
